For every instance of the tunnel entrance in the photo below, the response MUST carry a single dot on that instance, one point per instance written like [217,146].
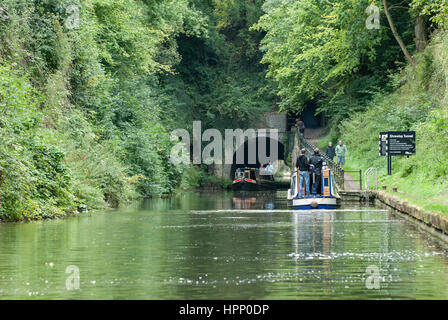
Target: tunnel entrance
[248,158]
[308,115]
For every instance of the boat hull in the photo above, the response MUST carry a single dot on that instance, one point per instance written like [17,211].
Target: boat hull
[254,185]
[246,186]
[312,203]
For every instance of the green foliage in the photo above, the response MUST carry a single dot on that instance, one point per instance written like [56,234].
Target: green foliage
[323,51]
[191,178]
[314,47]
[437,10]
[332,135]
[34,180]
[219,79]
[421,104]
[89,125]
[86,112]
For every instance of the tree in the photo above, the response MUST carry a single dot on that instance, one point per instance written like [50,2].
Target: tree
[436,10]
[421,38]
[313,48]
[397,36]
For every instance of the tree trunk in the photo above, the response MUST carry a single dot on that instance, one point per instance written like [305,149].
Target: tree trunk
[396,35]
[420,34]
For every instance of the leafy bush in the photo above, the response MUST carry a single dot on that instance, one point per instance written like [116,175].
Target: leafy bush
[34,180]
[86,112]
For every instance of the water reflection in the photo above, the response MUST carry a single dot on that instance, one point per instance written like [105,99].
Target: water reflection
[244,203]
[308,241]
[254,200]
[222,246]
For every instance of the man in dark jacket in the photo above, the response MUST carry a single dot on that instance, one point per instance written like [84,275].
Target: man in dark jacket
[316,161]
[330,152]
[303,165]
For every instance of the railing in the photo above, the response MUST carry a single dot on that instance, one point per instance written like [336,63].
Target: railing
[371,171]
[338,172]
[288,143]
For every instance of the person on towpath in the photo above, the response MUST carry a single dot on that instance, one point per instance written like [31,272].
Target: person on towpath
[341,153]
[330,152]
[301,126]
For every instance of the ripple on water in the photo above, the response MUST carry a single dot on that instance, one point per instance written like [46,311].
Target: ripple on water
[192,247]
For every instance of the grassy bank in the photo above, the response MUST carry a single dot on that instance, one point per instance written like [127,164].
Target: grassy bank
[419,102]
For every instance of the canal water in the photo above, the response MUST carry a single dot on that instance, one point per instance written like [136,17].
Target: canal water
[222,246]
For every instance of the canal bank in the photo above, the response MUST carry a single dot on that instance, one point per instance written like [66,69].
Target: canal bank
[404,203]
[434,222]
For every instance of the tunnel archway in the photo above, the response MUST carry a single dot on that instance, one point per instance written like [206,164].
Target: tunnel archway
[247,158]
[308,115]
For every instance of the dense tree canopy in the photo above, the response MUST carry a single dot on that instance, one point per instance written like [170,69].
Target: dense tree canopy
[90,90]
[324,50]
[110,80]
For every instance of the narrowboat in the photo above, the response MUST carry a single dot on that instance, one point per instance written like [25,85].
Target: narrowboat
[250,179]
[325,200]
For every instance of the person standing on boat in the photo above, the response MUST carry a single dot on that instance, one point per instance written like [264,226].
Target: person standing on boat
[303,165]
[316,161]
[269,171]
[341,153]
[330,152]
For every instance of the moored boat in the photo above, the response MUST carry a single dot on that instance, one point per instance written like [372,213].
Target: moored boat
[250,179]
